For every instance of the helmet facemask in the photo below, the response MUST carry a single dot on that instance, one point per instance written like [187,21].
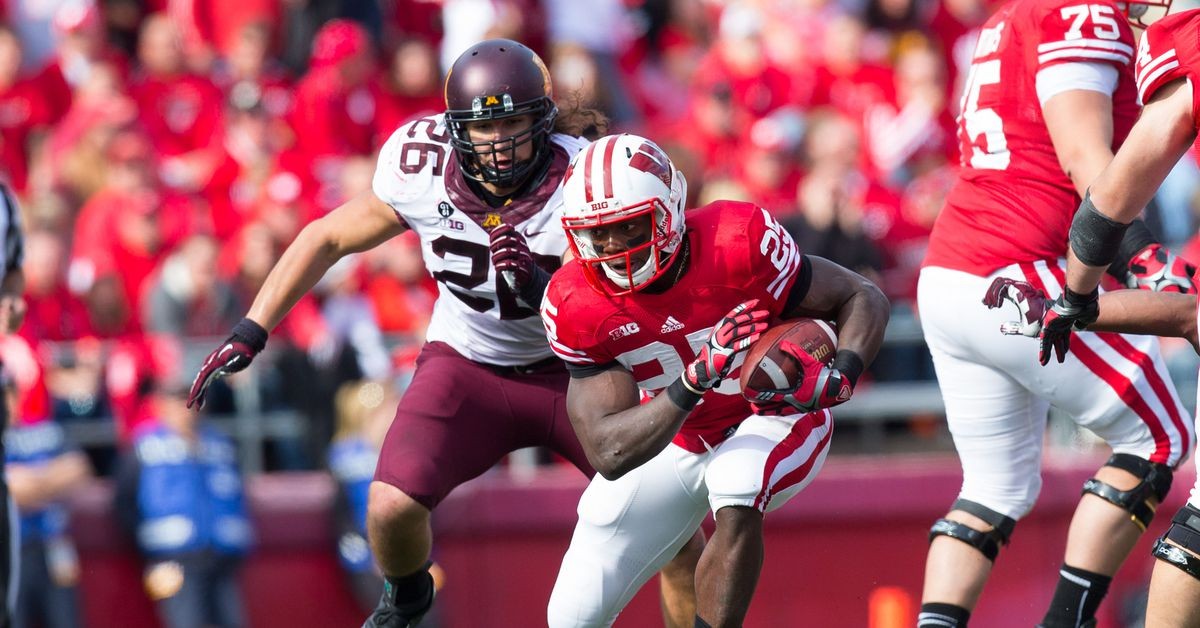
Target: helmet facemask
[650,241]
[1143,13]
[470,153]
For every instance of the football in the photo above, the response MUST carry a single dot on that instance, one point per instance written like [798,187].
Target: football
[816,337]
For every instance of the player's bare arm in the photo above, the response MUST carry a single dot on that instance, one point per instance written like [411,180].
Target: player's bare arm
[1162,134]
[859,307]
[361,223]
[1080,123]
[617,433]
[1166,314]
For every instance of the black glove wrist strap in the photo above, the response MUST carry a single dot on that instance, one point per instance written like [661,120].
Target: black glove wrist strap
[533,290]
[682,396]
[1077,300]
[849,364]
[251,333]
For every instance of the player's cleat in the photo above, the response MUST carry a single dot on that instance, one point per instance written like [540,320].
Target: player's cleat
[388,614]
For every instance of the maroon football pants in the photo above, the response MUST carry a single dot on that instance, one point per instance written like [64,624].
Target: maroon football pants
[458,418]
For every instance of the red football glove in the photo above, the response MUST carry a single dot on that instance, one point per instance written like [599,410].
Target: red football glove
[820,386]
[1157,269]
[236,353]
[511,256]
[732,335]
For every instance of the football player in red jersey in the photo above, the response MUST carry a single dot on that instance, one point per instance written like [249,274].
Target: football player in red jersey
[480,186]
[1167,63]
[641,317]
[1025,166]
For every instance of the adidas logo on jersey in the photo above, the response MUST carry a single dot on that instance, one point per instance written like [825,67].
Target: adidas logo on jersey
[671,325]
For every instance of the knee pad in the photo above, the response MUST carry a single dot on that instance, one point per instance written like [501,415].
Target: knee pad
[989,542]
[1155,482]
[1185,533]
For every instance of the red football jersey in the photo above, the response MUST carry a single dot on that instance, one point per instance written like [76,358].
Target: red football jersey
[738,252]
[1012,201]
[1169,50]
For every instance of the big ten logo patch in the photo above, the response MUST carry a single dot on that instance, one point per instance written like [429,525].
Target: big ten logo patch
[446,210]
[628,329]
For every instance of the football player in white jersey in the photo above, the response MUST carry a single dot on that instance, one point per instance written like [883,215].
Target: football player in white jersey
[481,187]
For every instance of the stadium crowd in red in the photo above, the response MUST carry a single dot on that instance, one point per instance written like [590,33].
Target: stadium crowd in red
[166,152]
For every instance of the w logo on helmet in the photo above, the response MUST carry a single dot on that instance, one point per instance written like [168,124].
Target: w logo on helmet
[650,159]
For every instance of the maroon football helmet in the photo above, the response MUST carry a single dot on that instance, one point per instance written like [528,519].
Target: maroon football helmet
[494,79]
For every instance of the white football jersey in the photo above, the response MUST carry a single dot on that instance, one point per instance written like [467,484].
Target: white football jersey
[475,312]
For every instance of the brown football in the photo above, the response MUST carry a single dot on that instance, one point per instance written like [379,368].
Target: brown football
[817,337]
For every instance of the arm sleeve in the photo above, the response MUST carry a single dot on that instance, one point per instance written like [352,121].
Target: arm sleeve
[1091,76]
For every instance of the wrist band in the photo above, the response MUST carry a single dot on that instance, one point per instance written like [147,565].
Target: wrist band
[682,395]
[250,332]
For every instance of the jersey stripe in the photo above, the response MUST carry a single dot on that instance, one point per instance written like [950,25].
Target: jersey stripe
[1099,44]
[608,166]
[1121,384]
[587,173]
[802,433]
[1162,64]
[1153,377]
[1084,53]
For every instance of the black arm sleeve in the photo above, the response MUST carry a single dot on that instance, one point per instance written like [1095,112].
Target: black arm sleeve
[580,371]
[800,288]
[1137,237]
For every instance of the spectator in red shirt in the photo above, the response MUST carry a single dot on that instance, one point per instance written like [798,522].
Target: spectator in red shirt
[914,132]
[248,73]
[127,227]
[181,111]
[412,87]
[335,107]
[55,313]
[82,47]
[738,59]
[75,151]
[23,110]
[769,170]
[849,79]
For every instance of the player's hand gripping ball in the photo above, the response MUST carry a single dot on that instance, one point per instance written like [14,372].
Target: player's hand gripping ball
[788,371]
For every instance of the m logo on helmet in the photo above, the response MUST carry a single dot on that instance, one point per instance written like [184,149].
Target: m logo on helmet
[650,159]
[491,100]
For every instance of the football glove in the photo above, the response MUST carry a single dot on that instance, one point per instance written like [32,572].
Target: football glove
[732,335]
[511,256]
[1031,305]
[246,341]
[1052,322]
[820,386]
[1157,269]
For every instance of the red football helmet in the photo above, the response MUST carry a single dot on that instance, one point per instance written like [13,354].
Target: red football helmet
[624,182]
[492,80]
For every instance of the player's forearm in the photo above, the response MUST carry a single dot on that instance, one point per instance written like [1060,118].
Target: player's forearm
[1145,312]
[862,321]
[620,442]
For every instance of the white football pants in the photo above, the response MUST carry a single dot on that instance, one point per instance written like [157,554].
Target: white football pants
[629,528]
[997,395]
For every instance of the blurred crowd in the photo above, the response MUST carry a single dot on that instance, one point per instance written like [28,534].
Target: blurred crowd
[166,152]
